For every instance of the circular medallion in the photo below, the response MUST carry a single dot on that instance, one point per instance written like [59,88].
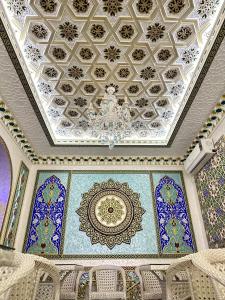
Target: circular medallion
[107,213]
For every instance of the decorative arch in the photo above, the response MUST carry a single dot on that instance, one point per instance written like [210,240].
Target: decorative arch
[5,180]
[47,218]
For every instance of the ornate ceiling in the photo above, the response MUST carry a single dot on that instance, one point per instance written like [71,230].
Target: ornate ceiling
[150,51]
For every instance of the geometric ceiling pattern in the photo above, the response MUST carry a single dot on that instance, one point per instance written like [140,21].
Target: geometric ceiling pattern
[149,50]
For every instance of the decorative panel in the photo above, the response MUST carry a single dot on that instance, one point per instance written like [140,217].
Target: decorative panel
[211,190]
[16,206]
[149,51]
[5,180]
[45,226]
[172,214]
[103,214]
[86,231]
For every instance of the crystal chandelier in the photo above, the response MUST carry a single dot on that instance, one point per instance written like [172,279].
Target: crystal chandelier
[112,122]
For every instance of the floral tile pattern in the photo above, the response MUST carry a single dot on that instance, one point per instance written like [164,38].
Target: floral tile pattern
[210,183]
[173,220]
[45,228]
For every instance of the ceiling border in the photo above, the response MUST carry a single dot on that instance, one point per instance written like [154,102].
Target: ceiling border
[9,121]
[12,54]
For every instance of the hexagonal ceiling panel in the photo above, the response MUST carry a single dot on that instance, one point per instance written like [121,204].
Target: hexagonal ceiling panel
[150,51]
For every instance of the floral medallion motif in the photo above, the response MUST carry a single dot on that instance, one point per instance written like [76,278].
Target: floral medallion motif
[17,7]
[86,53]
[51,72]
[190,55]
[155,124]
[67,88]
[48,6]
[112,7]
[177,89]
[75,72]
[44,88]
[59,53]
[171,73]
[39,31]
[144,6]
[97,31]
[89,88]
[155,89]
[148,73]
[100,72]
[138,54]
[149,114]
[175,6]
[207,8]
[141,102]
[110,213]
[32,53]
[183,33]
[112,53]
[81,6]
[155,32]
[126,31]
[162,102]
[164,55]
[66,124]
[68,31]
[124,73]
[80,101]
[59,101]
[133,89]
[72,113]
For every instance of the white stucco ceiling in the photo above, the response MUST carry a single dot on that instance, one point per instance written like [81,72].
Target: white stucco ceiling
[185,26]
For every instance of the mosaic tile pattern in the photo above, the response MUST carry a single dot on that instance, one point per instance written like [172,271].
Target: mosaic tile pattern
[55,226]
[45,231]
[174,225]
[77,243]
[210,183]
[16,206]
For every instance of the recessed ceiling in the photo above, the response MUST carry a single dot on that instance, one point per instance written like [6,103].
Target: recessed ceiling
[151,51]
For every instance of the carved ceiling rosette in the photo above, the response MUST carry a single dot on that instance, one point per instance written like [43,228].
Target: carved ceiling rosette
[110,213]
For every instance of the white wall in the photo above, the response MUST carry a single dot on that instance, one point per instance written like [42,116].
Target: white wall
[219,131]
[17,156]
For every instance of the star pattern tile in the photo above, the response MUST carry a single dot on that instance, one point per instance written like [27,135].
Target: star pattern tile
[147,49]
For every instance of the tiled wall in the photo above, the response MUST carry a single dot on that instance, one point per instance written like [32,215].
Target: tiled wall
[210,183]
[55,221]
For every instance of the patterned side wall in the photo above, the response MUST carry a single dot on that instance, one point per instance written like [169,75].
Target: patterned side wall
[210,183]
[85,214]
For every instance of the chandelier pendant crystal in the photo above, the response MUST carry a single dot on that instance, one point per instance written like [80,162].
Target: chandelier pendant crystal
[112,122]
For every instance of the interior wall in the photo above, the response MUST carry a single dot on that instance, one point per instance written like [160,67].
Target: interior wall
[198,227]
[210,182]
[17,156]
